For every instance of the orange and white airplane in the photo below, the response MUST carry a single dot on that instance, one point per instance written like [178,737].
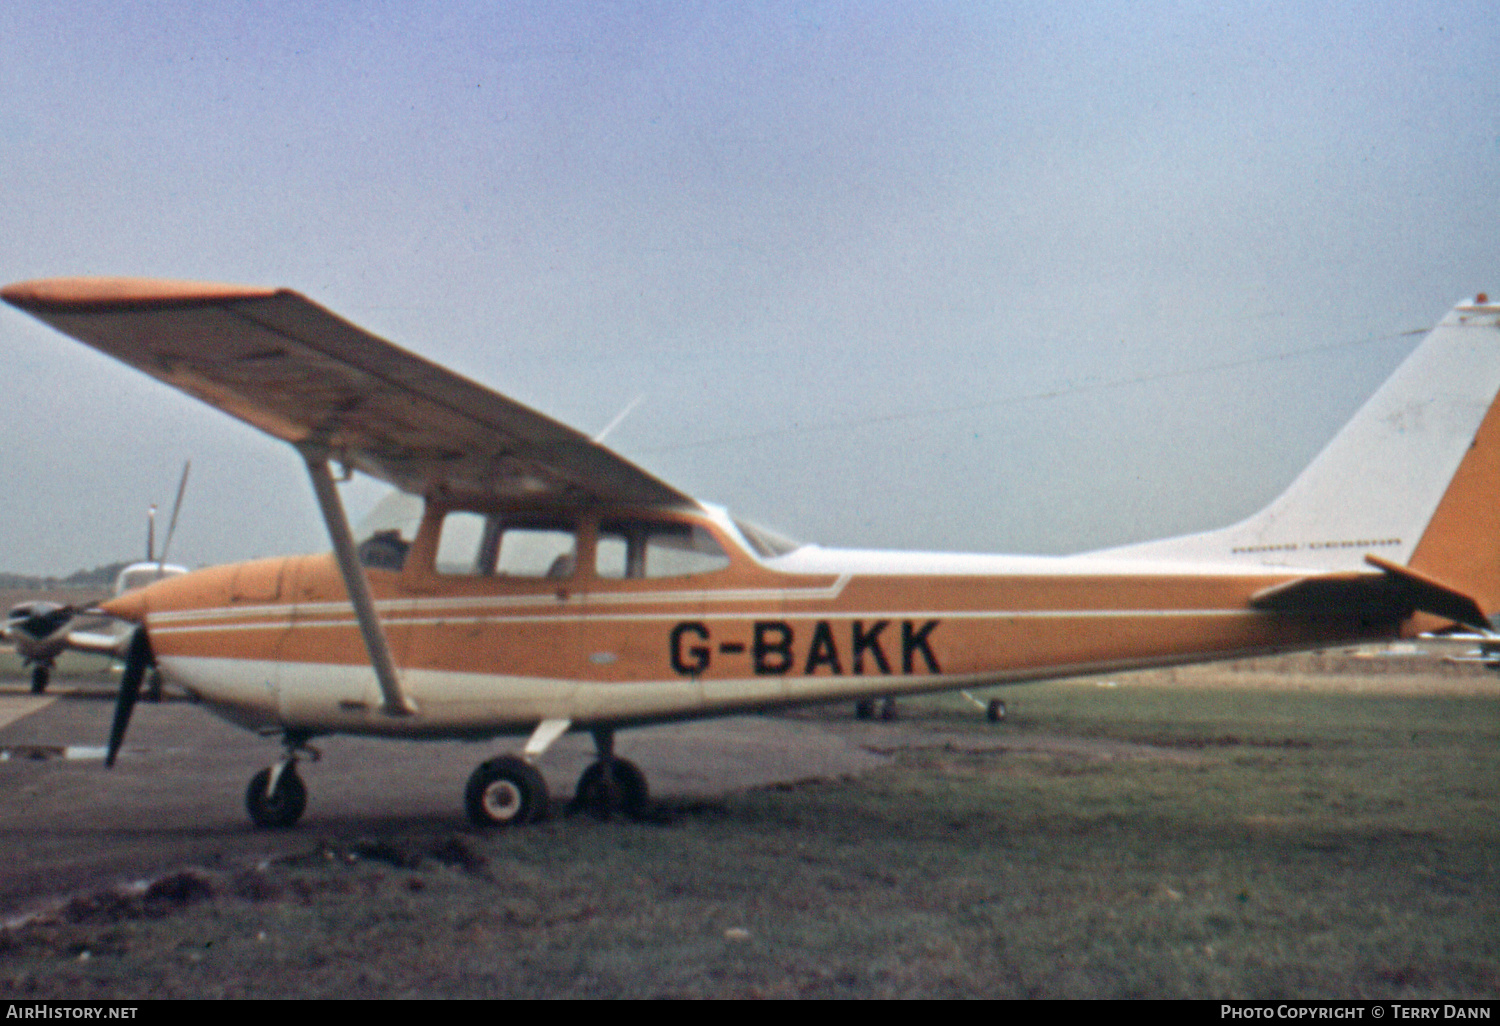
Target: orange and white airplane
[552,586]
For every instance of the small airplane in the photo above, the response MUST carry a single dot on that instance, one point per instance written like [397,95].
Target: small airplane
[550,585]
[42,630]
[1481,647]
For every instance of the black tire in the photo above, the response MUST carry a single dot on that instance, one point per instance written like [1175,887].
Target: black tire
[623,790]
[995,711]
[505,792]
[39,678]
[888,710]
[281,808]
[864,709]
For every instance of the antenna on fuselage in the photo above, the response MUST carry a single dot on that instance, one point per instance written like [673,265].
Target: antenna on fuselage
[599,438]
[161,561]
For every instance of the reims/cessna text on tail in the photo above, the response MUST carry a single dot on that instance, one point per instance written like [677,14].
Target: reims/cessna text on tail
[553,586]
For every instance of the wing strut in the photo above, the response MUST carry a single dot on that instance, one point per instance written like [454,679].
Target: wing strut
[395,703]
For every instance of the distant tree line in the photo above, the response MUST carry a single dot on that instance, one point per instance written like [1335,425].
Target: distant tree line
[99,577]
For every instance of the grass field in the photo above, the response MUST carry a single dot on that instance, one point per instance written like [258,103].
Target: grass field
[1270,843]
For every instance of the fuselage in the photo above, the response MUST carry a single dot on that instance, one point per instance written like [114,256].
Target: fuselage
[274,643]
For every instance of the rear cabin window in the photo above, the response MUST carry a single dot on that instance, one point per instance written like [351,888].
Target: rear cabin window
[642,549]
[476,545]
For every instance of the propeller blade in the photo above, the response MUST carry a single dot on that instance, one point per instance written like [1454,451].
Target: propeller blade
[137,661]
[172,524]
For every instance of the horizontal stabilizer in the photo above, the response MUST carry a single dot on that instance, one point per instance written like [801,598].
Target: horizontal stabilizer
[1392,595]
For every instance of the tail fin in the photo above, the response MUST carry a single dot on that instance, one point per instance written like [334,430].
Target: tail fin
[1461,543]
[1414,478]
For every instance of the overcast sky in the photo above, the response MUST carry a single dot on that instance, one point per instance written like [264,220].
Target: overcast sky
[1020,277]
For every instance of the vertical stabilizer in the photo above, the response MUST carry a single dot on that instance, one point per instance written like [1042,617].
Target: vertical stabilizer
[1413,478]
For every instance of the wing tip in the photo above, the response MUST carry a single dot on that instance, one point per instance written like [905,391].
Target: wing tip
[96,294]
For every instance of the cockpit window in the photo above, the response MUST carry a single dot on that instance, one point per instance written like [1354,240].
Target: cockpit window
[542,551]
[477,545]
[768,544]
[642,549]
[465,545]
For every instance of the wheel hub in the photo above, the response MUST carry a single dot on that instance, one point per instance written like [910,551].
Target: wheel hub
[503,800]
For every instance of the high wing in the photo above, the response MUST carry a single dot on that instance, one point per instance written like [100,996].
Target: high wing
[286,365]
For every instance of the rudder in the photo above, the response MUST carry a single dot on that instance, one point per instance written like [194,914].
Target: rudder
[1461,544]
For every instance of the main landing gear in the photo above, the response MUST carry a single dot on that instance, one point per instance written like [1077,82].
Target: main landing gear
[870,708]
[508,791]
[610,784]
[505,791]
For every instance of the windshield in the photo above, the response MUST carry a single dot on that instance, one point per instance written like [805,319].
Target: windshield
[768,544]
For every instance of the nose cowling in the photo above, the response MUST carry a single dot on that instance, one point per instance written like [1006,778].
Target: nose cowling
[182,590]
[129,606]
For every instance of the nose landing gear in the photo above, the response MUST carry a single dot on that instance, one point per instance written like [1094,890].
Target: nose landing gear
[277,797]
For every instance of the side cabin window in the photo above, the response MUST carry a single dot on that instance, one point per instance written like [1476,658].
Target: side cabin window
[646,549]
[479,545]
